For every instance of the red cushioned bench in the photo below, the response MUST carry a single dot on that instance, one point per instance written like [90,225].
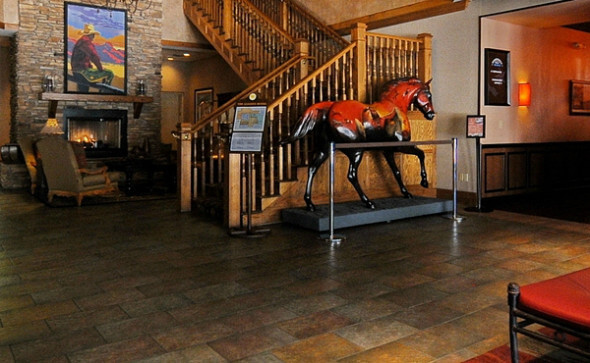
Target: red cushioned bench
[561,303]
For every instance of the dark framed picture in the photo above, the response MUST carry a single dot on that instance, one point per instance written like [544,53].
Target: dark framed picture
[204,102]
[579,97]
[497,77]
[476,126]
[96,49]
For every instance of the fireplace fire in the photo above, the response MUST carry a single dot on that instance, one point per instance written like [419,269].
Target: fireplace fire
[102,132]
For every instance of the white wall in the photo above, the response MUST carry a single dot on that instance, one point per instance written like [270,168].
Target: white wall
[185,77]
[455,86]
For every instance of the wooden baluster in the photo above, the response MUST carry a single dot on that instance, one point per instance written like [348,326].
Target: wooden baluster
[227,16]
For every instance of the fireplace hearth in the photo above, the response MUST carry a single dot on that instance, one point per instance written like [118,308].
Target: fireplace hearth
[102,132]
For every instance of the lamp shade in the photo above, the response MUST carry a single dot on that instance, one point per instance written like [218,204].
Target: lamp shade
[524,94]
[52,127]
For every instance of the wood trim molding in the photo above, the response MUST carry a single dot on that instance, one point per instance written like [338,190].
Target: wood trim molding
[187,45]
[421,10]
[8,26]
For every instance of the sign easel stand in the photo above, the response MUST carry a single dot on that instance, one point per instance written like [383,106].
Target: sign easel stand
[249,232]
[476,126]
[246,138]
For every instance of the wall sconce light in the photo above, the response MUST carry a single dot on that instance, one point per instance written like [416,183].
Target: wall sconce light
[524,94]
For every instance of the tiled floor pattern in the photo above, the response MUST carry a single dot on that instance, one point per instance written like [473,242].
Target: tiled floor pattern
[142,282]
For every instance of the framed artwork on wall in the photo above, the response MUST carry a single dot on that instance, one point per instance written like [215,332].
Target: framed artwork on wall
[96,49]
[579,97]
[497,77]
[476,126]
[204,102]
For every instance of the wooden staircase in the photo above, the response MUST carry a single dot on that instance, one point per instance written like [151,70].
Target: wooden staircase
[257,39]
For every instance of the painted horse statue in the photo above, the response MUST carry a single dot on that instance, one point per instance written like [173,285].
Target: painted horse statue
[353,121]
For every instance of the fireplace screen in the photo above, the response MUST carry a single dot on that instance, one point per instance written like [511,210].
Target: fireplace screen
[102,132]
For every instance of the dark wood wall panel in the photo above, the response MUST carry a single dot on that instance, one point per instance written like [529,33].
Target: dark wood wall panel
[495,175]
[522,168]
[517,178]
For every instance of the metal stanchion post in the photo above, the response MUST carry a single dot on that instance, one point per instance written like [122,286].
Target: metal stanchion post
[332,238]
[454,216]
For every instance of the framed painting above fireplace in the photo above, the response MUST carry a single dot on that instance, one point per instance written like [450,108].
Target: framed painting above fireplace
[96,49]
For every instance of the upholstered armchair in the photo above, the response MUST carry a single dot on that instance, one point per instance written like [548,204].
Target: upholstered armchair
[64,175]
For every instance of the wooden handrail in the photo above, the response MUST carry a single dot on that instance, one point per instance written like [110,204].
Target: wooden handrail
[325,28]
[311,76]
[268,20]
[242,95]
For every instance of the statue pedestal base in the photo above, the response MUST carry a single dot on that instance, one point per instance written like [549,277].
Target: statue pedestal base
[354,213]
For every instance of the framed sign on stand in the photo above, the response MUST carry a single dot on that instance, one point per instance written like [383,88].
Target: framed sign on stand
[476,129]
[246,138]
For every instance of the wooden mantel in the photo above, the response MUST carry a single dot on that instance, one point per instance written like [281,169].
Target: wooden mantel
[54,98]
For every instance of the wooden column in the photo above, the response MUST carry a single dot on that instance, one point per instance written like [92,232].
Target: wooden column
[232,190]
[184,169]
[425,57]
[228,20]
[359,36]
[302,49]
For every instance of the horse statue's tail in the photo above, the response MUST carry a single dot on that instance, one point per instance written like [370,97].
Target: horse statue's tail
[312,115]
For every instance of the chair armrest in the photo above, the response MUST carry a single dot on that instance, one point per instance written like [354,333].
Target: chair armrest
[101,170]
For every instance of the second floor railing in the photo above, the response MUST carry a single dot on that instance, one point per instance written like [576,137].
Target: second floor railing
[300,24]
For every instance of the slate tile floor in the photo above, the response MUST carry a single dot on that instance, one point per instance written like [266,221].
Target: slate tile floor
[142,282]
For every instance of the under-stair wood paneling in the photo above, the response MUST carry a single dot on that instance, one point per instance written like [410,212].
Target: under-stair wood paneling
[525,168]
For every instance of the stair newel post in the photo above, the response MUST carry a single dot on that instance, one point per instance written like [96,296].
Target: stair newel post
[184,170]
[359,36]
[227,21]
[232,190]
[302,49]
[425,57]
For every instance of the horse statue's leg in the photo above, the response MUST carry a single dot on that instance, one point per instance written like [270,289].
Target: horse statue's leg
[355,157]
[319,158]
[389,157]
[414,150]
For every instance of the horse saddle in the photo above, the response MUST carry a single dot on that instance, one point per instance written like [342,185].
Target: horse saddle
[388,122]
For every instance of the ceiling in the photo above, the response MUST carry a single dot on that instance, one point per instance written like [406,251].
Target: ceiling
[573,14]
[177,54]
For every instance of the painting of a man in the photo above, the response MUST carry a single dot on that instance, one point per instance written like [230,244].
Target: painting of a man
[96,57]
[85,59]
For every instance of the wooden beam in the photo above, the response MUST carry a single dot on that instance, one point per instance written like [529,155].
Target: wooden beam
[422,10]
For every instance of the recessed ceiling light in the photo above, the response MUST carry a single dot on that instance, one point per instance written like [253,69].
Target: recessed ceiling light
[170,58]
[187,54]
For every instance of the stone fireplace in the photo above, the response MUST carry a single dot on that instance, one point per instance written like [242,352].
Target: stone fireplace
[38,49]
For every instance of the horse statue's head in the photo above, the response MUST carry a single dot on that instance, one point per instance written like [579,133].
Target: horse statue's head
[406,91]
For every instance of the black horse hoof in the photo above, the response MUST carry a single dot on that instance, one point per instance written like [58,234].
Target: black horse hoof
[370,204]
[311,208]
[408,196]
[424,183]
